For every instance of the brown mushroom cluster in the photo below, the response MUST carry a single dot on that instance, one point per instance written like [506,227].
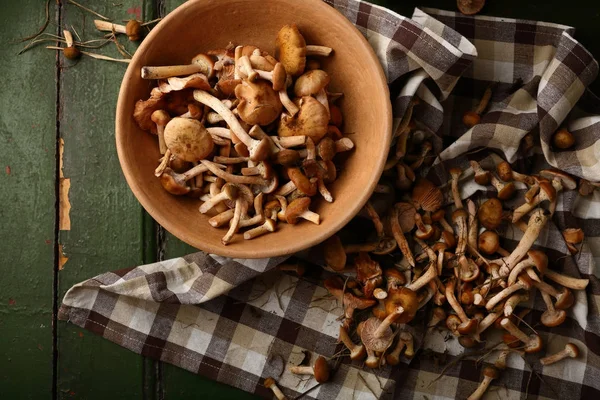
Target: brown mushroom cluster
[250,135]
[452,261]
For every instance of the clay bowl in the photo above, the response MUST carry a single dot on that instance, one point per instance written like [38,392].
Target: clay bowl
[199,26]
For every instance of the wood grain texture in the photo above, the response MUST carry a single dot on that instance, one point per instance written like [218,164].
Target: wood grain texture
[107,230]
[178,384]
[27,178]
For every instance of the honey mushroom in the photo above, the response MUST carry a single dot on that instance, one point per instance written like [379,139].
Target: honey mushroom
[571,350]
[319,370]
[133,29]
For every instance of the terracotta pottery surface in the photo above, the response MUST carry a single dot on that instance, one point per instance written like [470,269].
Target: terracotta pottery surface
[199,26]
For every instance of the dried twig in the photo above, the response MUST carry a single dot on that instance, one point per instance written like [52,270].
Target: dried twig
[88,10]
[366,384]
[42,28]
[94,55]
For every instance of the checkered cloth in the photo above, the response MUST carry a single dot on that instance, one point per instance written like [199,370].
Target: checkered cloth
[240,321]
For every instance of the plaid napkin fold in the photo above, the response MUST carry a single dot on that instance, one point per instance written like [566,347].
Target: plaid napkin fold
[240,321]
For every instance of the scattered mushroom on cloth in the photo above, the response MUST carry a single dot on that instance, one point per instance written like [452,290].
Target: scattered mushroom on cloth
[470,272]
[231,136]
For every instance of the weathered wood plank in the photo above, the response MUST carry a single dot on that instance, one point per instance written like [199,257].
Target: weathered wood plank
[179,384]
[27,178]
[107,223]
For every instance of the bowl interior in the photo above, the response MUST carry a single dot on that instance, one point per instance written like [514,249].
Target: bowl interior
[199,26]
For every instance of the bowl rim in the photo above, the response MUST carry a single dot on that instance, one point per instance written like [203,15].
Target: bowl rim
[231,251]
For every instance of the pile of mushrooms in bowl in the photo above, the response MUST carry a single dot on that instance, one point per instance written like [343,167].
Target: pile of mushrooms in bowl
[238,142]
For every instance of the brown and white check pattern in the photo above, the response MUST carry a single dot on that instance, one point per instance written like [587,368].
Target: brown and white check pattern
[240,321]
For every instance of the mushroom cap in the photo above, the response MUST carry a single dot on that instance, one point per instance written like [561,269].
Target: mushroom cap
[206,62]
[470,7]
[459,213]
[269,186]
[133,30]
[287,157]
[259,103]
[269,382]
[142,112]
[301,181]
[312,120]
[231,190]
[468,327]
[171,183]
[367,336]
[507,191]
[563,139]
[244,193]
[449,238]
[326,149]
[406,216]
[188,139]
[179,165]
[321,370]
[335,256]
[572,350]
[488,242]
[427,196]
[490,214]
[491,372]
[566,180]
[565,299]
[394,277]
[292,49]
[552,318]
[471,118]
[548,189]
[296,208]
[573,235]
[534,344]
[467,342]
[405,298]
[261,63]
[386,245]
[311,83]
[452,322]
[330,174]
[471,272]
[505,171]
[160,117]
[279,76]
[540,260]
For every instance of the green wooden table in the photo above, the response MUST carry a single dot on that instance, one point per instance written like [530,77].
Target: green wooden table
[67,213]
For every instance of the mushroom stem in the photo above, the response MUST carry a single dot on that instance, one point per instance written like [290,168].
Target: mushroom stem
[503,294]
[230,160]
[233,226]
[270,384]
[106,26]
[570,350]
[514,330]
[455,173]
[221,219]
[472,226]
[268,226]
[169,71]
[536,222]
[289,105]
[393,357]
[424,279]
[548,194]
[482,177]
[246,68]
[286,189]
[220,132]
[483,386]
[289,141]
[488,321]
[400,238]
[259,150]
[247,180]
[453,302]
[567,281]
[407,339]
[512,302]
[314,50]
[357,352]
[389,320]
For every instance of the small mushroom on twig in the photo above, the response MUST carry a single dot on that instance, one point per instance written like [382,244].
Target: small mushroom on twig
[571,350]
[270,384]
[133,29]
[472,118]
[320,370]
